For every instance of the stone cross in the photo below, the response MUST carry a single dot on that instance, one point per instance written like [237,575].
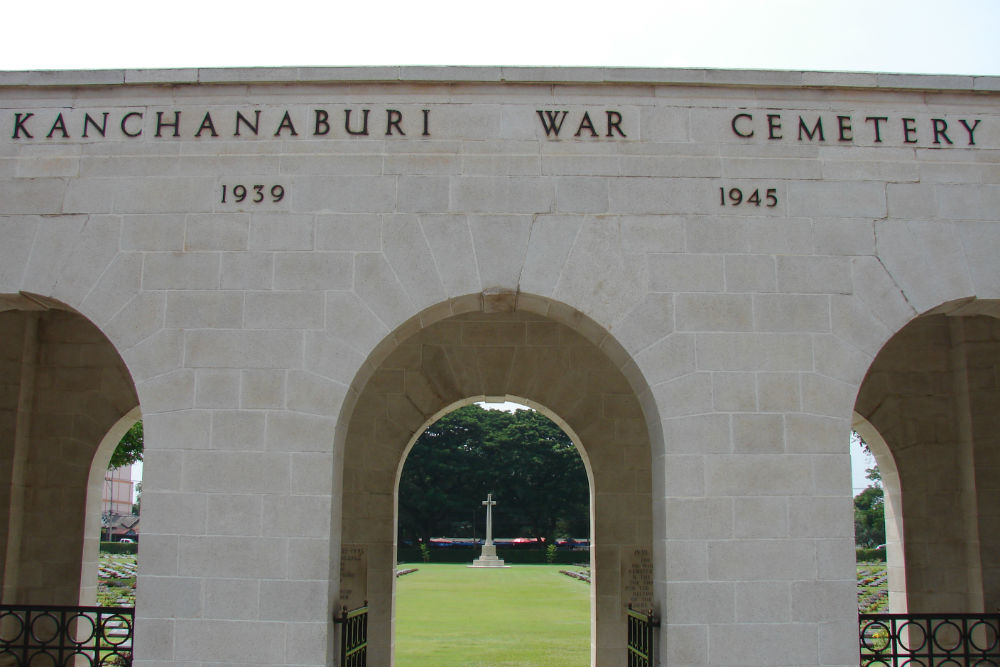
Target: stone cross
[488,557]
[489,503]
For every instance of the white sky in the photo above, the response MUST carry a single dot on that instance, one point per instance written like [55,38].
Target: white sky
[860,462]
[507,406]
[958,36]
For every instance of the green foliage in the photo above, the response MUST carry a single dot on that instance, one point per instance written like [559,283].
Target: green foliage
[870,555]
[523,458]
[550,554]
[869,518]
[874,475]
[510,556]
[129,448]
[119,547]
[425,553]
[123,660]
[869,511]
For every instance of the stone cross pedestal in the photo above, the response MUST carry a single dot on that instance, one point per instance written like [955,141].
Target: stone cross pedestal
[488,557]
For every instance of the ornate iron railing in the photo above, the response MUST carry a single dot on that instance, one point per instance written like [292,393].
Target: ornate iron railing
[34,635]
[929,640]
[353,636]
[640,637]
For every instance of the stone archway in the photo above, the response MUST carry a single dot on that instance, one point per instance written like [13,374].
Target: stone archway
[503,348]
[933,394]
[64,388]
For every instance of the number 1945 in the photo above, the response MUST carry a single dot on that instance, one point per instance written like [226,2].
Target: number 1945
[735,197]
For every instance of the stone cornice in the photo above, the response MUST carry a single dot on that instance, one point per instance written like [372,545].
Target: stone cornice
[500,75]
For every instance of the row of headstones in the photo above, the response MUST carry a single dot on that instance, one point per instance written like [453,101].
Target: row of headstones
[117,569]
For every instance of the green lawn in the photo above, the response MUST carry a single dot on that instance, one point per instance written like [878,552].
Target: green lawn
[453,615]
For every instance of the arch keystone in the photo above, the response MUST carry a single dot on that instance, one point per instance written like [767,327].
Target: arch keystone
[499,300]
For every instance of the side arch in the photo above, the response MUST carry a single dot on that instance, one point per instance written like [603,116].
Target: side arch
[65,390]
[932,393]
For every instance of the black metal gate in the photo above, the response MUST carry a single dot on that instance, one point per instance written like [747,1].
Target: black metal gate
[51,635]
[353,636]
[640,637]
[929,640]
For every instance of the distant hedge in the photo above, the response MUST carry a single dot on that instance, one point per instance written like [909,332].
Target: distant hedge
[119,547]
[870,555]
[510,556]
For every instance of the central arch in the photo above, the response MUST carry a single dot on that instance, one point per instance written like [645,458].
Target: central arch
[531,350]
[549,641]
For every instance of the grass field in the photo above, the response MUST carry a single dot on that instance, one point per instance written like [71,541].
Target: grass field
[456,616]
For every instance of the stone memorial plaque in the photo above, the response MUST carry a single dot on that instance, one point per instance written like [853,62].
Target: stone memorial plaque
[637,579]
[353,576]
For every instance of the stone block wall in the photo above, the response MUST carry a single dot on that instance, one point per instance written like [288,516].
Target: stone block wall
[731,250]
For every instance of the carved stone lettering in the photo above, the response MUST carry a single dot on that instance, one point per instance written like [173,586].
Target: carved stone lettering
[874,130]
[353,576]
[552,123]
[637,579]
[208,124]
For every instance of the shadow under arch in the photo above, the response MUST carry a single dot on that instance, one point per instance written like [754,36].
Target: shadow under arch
[931,401]
[894,547]
[488,347]
[66,391]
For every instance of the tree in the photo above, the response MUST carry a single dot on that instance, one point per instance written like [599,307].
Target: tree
[438,473]
[869,518]
[547,479]
[872,474]
[137,505]
[129,449]
[869,507]
[523,458]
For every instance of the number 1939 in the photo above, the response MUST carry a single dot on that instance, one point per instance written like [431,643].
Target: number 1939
[735,197]
[253,193]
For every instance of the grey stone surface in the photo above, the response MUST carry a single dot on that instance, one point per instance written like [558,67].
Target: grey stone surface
[709,358]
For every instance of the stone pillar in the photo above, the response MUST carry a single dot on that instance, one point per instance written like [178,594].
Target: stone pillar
[965,480]
[981,355]
[20,357]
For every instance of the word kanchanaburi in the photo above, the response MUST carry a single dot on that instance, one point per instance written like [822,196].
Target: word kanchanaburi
[131,124]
